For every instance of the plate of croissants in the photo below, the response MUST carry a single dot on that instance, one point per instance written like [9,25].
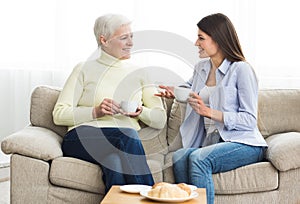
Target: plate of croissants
[167,192]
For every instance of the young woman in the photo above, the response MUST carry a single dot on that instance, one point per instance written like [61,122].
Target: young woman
[220,130]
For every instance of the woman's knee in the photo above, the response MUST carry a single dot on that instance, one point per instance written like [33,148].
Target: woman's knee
[113,162]
[129,132]
[178,155]
[199,157]
[182,154]
[130,137]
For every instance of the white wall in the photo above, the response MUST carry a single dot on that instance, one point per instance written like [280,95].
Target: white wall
[41,41]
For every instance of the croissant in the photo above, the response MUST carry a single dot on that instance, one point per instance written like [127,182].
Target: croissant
[167,190]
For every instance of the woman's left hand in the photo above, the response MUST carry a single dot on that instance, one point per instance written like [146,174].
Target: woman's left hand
[135,114]
[198,105]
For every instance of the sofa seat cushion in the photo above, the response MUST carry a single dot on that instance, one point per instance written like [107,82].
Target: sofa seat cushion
[252,178]
[76,174]
[284,150]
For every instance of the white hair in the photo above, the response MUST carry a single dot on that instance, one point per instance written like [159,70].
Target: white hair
[107,24]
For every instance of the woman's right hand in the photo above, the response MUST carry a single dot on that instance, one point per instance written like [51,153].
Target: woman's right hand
[106,107]
[167,93]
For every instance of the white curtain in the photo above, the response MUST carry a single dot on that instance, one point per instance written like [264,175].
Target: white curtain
[41,41]
[16,87]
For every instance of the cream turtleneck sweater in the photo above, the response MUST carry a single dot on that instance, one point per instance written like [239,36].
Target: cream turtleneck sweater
[107,77]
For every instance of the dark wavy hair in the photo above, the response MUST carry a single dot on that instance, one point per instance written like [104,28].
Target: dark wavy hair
[221,30]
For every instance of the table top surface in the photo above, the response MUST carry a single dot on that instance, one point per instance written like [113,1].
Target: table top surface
[116,195]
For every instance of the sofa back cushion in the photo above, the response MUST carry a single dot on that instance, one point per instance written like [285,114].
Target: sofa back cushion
[278,111]
[176,117]
[43,99]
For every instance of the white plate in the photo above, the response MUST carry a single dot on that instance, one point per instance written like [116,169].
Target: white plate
[134,188]
[194,194]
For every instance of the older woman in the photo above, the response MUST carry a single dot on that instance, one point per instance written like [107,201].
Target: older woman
[89,104]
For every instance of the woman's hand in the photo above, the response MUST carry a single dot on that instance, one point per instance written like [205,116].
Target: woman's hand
[167,93]
[135,114]
[198,105]
[106,107]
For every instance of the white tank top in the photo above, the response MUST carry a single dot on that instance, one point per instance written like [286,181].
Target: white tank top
[205,94]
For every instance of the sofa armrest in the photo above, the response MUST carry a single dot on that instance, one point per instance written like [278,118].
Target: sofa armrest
[36,142]
[284,150]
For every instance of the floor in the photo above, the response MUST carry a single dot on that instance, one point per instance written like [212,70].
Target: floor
[4,192]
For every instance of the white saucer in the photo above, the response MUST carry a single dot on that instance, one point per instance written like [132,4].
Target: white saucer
[134,188]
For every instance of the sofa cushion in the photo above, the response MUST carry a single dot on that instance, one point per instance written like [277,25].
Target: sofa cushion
[168,105]
[43,99]
[176,117]
[77,174]
[81,175]
[278,111]
[36,142]
[252,178]
[168,168]
[156,163]
[284,150]
[154,140]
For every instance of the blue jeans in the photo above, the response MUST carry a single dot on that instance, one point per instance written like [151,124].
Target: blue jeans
[118,151]
[196,165]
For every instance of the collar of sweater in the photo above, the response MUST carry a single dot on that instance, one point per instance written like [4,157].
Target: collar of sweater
[109,60]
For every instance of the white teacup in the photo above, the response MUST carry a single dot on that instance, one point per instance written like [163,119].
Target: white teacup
[182,93]
[129,106]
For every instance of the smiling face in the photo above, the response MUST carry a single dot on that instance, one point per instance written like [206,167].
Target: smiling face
[207,46]
[119,44]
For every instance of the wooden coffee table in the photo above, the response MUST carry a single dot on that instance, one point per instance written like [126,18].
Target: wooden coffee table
[115,196]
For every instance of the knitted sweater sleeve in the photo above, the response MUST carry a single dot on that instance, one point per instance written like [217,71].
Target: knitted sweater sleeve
[153,114]
[66,112]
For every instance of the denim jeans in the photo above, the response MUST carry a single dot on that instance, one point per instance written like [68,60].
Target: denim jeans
[118,151]
[196,165]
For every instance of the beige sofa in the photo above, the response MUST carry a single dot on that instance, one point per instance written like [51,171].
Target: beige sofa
[40,173]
